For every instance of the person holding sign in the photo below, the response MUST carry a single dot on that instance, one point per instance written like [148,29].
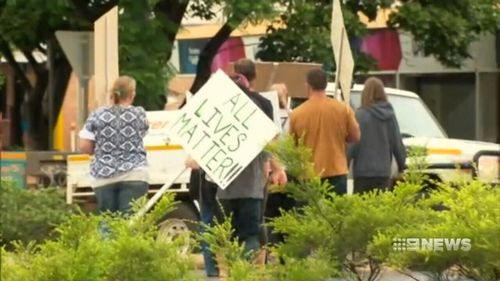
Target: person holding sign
[114,136]
[246,78]
[224,128]
[326,125]
[243,198]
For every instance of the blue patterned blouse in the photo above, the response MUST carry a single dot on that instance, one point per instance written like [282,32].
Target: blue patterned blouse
[118,133]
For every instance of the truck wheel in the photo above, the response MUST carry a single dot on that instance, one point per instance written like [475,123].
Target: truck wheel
[181,221]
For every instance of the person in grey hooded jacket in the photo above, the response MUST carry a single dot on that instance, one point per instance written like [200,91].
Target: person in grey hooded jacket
[380,140]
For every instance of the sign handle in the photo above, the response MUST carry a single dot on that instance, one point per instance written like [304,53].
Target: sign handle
[159,194]
[272,76]
[339,65]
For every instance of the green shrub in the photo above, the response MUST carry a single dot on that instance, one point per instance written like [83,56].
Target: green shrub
[472,212]
[30,215]
[240,266]
[355,233]
[127,251]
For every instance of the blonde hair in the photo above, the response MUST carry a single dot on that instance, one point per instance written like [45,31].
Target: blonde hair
[282,94]
[373,92]
[123,88]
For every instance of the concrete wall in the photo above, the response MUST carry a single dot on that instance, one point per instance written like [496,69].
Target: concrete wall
[488,122]
[483,53]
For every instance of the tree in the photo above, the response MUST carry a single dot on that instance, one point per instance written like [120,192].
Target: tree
[26,27]
[237,13]
[443,29]
[147,30]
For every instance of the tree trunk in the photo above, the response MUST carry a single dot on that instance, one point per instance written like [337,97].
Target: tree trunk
[36,117]
[207,55]
[38,101]
[173,12]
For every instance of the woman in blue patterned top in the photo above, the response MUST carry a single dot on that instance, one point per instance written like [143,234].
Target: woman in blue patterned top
[114,136]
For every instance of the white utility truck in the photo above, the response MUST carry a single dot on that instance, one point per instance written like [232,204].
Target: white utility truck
[448,159]
[417,124]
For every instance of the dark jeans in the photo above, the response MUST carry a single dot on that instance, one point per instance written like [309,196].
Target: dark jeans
[366,184]
[338,183]
[208,211]
[116,197]
[246,220]
[277,202]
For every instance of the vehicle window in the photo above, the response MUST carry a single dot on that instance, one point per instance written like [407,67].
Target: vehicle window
[414,118]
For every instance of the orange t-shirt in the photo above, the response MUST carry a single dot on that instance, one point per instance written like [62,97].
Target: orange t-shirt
[324,123]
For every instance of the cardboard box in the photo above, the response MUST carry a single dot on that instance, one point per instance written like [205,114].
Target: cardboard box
[292,74]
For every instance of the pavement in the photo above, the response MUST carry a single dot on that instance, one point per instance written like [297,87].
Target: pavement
[387,275]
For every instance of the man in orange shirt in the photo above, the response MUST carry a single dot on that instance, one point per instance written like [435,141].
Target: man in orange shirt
[326,125]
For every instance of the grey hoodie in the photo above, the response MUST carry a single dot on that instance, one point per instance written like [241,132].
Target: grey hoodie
[380,140]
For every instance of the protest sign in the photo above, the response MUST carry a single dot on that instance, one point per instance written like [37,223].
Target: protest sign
[341,51]
[222,129]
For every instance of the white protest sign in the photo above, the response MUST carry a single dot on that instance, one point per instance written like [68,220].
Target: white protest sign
[341,51]
[222,129]
[272,96]
[159,123]
[285,124]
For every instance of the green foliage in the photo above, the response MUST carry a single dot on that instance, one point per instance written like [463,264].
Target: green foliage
[473,213]
[444,29]
[417,165]
[126,251]
[295,155]
[143,51]
[355,233]
[231,256]
[289,39]
[26,27]
[236,12]
[30,215]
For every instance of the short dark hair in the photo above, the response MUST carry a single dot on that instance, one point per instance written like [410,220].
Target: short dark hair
[316,78]
[246,68]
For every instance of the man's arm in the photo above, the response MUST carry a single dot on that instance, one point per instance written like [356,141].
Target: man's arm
[191,163]
[278,174]
[353,132]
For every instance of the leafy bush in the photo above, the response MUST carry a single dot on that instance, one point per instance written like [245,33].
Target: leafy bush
[30,215]
[102,248]
[236,265]
[353,236]
[472,212]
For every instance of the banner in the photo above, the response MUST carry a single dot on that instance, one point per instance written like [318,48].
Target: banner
[222,129]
